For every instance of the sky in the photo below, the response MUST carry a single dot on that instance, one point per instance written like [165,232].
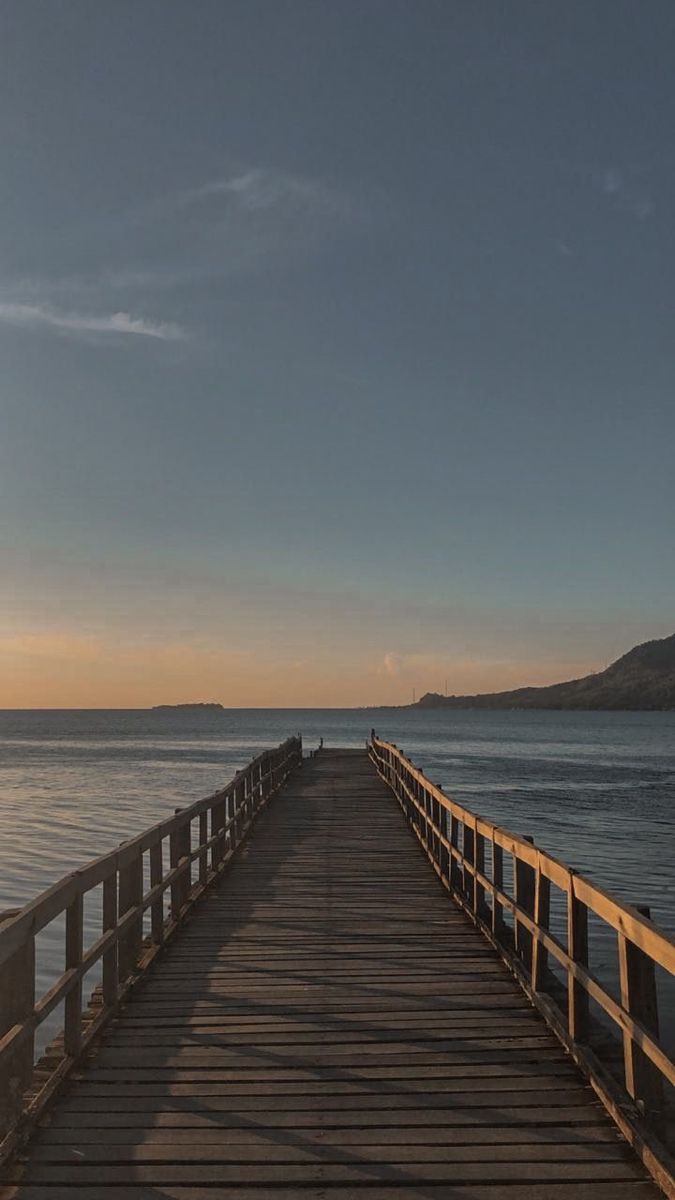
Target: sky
[336,347]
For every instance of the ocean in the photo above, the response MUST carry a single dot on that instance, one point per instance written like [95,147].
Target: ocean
[597,790]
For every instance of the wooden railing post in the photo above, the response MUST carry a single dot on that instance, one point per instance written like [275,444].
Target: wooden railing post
[436,818]
[156,877]
[638,996]
[218,821]
[264,781]
[428,820]
[72,1030]
[237,808]
[469,859]
[479,863]
[255,790]
[204,854]
[577,948]
[250,786]
[524,897]
[130,895]
[179,847]
[542,914]
[110,958]
[247,799]
[410,801]
[498,880]
[410,805]
[231,835]
[17,1001]
[425,819]
[455,869]
[445,861]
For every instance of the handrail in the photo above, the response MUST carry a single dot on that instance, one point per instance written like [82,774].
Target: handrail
[467,852]
[222,822]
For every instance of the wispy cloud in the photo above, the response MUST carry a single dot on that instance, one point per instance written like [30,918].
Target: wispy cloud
[36,316]
[257,190]
[247,221]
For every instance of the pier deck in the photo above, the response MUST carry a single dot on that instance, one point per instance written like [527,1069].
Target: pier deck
[328,1024]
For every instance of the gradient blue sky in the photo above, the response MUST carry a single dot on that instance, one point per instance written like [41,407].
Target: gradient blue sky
[337,346]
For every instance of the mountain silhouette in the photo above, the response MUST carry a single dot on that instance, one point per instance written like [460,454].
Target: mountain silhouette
[644,678]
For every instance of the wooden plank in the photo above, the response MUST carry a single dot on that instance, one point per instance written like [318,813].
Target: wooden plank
[270,1043]
[279,1174]
[332,1100]
[479,1026]
[499,1089]
[266,1150]
[591,1190]
[270,1118]
[420,1135]
[393,1075]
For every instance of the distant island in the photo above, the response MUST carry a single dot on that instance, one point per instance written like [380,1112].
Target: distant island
[187,708]
[643,679]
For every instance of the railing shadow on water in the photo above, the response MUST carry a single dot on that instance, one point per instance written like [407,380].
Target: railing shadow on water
[542,917]
[142,900]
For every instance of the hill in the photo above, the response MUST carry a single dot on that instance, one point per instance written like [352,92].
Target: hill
[188,708]
[644,678]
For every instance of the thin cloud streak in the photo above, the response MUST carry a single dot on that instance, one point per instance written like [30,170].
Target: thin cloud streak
[225,227]
[36,316]
[232,225]
[256,190]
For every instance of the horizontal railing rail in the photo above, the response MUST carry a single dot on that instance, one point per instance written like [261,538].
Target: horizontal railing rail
[471,855]
[201,841]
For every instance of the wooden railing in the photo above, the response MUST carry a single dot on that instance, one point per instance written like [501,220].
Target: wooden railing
[201,841]
[503,881]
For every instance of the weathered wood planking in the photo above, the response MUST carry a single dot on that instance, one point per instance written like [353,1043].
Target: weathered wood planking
[328,1025]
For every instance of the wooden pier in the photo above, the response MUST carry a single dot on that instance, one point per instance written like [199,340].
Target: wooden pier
[313,1016]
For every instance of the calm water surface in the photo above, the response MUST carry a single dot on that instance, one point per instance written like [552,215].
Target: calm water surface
[595,789]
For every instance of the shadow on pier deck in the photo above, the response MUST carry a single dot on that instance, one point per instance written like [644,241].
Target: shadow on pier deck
[328,1024]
